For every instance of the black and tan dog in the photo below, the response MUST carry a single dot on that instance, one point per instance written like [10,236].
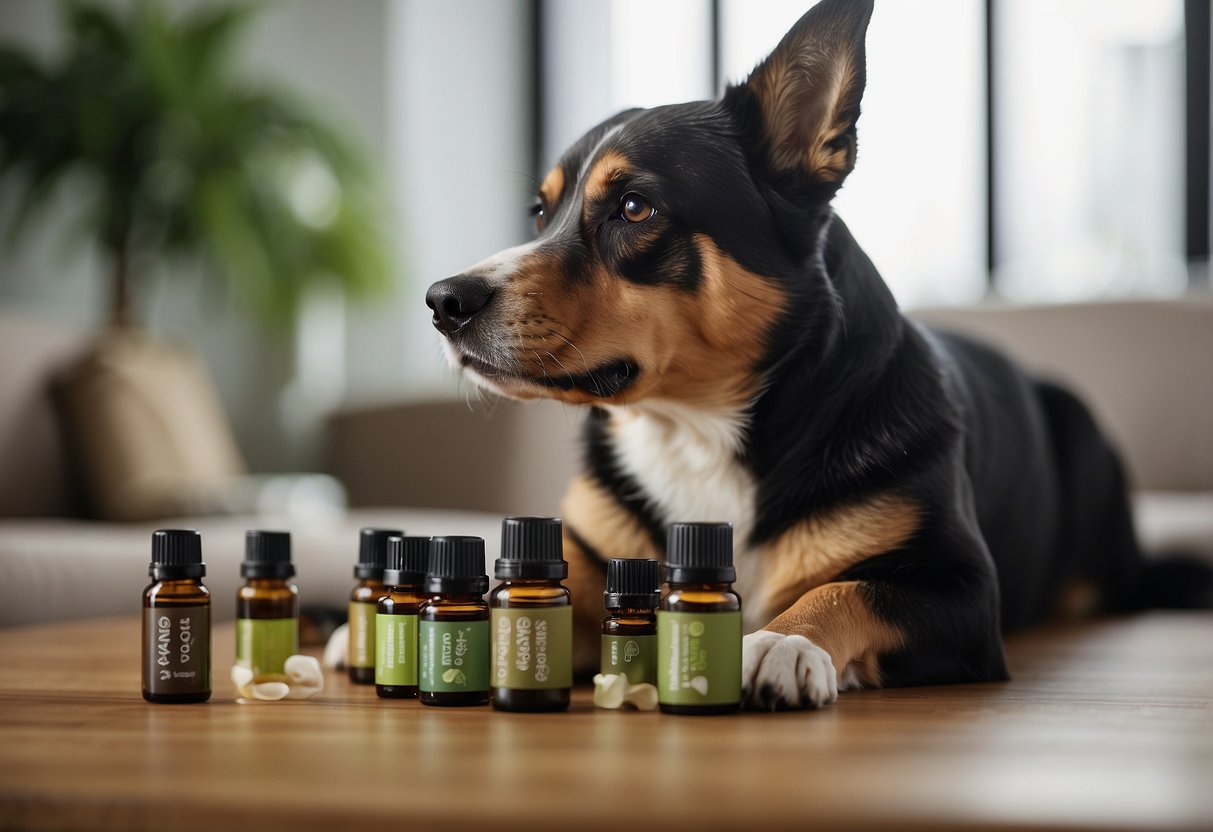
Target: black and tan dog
[899,496]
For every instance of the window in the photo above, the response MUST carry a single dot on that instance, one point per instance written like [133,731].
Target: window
[1089,134]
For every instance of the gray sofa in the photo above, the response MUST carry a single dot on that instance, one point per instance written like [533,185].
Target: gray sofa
[54,565]
[1145,367]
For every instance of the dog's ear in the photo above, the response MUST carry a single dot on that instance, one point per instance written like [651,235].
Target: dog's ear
[800,105]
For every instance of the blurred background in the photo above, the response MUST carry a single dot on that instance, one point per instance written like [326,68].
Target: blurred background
[277,185]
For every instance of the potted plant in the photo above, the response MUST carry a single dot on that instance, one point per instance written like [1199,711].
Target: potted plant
[179,159]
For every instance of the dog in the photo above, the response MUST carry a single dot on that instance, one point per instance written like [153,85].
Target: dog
[900,497]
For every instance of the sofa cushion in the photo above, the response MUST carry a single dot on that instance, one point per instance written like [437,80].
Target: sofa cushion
[146,427]
[1142,366]
[35,478]
[1175,521]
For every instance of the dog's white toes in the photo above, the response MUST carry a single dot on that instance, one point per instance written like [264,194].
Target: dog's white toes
[335,650]
[779,671]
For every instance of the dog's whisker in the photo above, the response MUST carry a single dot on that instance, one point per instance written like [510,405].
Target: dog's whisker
[561,365]
[584,362]
[543,368]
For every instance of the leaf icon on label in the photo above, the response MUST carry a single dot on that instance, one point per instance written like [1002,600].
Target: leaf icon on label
[700,683]
[454,676]
[630,651]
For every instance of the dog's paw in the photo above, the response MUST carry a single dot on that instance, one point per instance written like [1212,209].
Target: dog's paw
[337,647]
[779,671]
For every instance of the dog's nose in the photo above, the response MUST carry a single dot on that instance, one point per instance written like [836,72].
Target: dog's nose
[456,301]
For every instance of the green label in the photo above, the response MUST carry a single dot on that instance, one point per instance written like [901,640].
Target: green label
[454,655]
[396,643]
[698,658]
[633,656]
[362,635]
[264,644]
[176,649]
[533,648]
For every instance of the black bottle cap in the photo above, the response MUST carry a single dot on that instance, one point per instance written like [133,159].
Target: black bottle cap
[632,583]
[372,553]
[456,565]
[699,552]
[531,547]
[407,558]
[267,555]
[176,555]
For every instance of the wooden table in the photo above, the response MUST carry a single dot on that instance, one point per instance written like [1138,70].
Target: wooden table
[1106,726]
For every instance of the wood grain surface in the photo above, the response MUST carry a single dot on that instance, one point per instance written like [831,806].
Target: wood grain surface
[1106,725]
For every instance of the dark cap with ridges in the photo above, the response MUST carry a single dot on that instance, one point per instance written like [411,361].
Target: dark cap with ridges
[632,583]
[456,565]
[176,555]
[699,552]
[407,559]
[372,553]
[267,555]
[531,547]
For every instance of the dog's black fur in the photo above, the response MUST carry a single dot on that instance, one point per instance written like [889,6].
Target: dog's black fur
[1018,492]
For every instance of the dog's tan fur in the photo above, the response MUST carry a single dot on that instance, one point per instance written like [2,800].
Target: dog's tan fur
[819,549]
[553,187]
[803,110]
[609,167]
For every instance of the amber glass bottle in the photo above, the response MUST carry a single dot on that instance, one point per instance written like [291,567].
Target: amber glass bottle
[364,602]
[454,625]
[629,631]
[532,618]
[396,619]
[267,606]
[699,623]
[176,621]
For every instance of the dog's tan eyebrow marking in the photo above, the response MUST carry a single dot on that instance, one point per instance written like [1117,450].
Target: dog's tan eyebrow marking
[610,167]
[553,186]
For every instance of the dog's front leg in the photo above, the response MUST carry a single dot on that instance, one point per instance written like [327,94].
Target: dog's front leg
[829,638]
[876,633]
[586,581]
[596,526]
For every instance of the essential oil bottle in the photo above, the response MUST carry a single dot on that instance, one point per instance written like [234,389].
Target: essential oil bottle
[267,606]
[453,627]
[699,623]
[364,600]
[532,618]
[176,620]
[396,619]
[629,631]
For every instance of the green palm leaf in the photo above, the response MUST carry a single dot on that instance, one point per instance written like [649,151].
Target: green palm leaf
[180,158]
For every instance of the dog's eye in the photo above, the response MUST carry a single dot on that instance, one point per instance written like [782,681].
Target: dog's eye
[635,208]
[540,216]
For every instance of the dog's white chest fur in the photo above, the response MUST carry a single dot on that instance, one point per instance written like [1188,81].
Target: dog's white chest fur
[685,460]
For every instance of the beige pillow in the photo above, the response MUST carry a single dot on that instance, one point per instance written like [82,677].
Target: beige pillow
[145,427]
